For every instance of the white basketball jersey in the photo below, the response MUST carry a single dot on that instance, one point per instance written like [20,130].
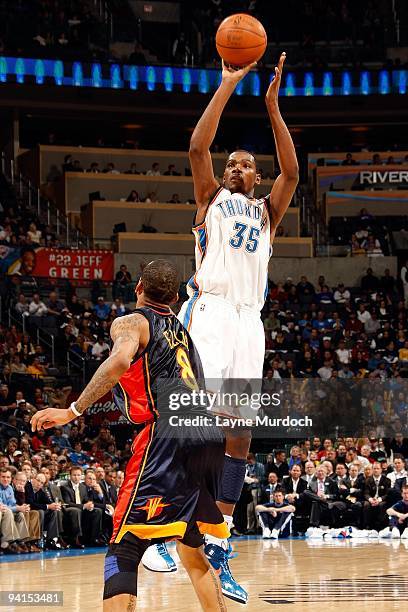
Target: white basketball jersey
[233,250]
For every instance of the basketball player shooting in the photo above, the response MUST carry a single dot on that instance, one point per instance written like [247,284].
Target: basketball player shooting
[171,482]
[234,232]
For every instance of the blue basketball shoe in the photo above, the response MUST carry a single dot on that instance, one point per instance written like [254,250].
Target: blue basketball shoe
[158,559]
[218,557]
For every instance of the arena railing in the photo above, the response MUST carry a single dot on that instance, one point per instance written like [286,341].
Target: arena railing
[47,211]
[76,364]
[42,336]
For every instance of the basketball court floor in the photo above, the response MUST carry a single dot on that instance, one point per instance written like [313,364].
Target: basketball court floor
[287,575]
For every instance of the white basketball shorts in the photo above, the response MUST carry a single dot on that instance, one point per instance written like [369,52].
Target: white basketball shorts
[230,340]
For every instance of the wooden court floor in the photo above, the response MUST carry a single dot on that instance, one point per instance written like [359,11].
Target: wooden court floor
[287,575]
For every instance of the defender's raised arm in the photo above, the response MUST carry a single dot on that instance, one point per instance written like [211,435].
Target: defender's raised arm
[126,333]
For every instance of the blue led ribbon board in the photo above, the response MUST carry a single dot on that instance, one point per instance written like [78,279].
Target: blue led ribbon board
[197,80]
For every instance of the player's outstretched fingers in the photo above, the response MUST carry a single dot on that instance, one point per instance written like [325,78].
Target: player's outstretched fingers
[281,61]
[41,420]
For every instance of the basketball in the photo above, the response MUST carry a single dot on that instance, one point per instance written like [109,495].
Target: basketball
[241,39]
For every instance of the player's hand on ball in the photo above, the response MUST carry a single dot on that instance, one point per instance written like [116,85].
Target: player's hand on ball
[273,89]
[235,75]
[50,417]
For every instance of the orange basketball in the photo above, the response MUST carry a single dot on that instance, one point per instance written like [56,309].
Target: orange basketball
[241,39]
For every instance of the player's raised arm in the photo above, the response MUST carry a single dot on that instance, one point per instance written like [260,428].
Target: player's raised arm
[285,185]
[201,140]
[126,333]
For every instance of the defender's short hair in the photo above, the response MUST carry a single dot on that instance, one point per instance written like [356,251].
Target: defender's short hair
[161,281]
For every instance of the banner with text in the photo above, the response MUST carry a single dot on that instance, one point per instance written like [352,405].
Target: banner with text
[70,264]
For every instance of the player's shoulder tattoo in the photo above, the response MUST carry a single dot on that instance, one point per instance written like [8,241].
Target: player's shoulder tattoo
[126,325]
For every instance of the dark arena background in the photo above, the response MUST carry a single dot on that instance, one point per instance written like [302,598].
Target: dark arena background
[98,102]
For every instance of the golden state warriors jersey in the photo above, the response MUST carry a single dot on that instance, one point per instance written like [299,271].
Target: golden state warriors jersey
[233,250]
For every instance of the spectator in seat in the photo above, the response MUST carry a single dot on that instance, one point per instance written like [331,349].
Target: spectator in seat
[117,483]
[399,470]
[58,394]
[133,196]
[294,458]
[305,290]
[365,216]
[123,282]
[369,281]
[294,486]
[281,467]
[38,500]
[363,315]
[118,308]
[154,170]
[275,517]
[8,529]
[36,369]
[268,490]
[75,306]
[84,520]
[356,248]
[96,495]
[7,397]
[372,325]
[151,198]
[174,199]
[8,503]
[110,169]
[343,354]
[107,484]
[366,453]
[34,234]
[68,165]
[325,296]
[326,371]
[349,161]
[132,169]
[25,348]
[37,308]
[255,474]
[22,306]
[54,305]
[17,367]
[310,470]
[102,309]
[354,325]
[171,171]
[32,517]
[323,499]
[353,495]
[93,168]
[137,56]
[388,283]
[377,452]
[372,246]
[100,349]
[399,444]
[403,354]
[341,294]
[60,440]
[376,160]
[375,499]
[398,516]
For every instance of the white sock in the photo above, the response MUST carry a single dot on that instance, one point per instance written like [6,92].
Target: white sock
[210,539]
[228,520]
